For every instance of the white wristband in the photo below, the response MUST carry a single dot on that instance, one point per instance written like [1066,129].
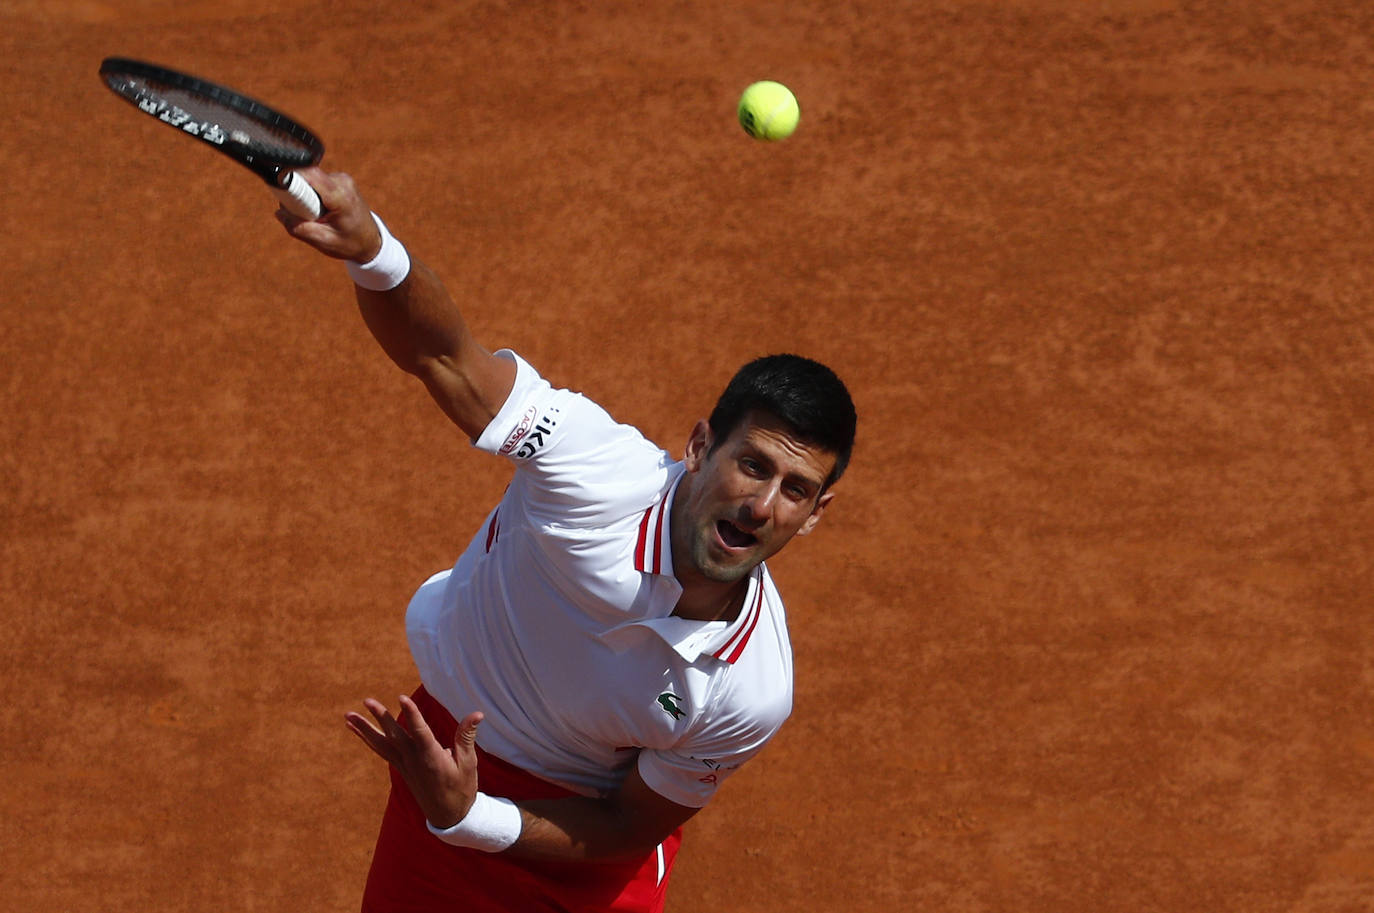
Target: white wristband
[386,270]
[491,825]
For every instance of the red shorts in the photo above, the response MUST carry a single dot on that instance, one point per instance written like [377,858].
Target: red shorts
[412,870]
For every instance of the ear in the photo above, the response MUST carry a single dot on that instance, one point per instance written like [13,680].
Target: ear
[821,504]
[698,445]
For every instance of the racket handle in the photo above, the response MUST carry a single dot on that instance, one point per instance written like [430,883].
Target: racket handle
[296,194]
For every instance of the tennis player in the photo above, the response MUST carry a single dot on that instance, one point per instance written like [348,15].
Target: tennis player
[610,647]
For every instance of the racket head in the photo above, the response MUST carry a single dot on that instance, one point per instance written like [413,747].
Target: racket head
[247,130]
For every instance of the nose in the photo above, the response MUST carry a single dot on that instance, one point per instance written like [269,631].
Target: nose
[760,503]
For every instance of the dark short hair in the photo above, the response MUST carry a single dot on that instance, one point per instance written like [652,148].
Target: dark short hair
[805,395]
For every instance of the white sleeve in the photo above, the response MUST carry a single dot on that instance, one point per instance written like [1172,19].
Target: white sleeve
[581,461]
[691,772]
[527,420]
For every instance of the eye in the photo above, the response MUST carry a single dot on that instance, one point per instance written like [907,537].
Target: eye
[752,466]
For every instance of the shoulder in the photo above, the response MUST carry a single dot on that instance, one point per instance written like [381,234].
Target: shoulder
[538,418]
[566,445]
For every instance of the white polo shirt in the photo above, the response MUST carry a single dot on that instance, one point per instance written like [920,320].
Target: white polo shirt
[557,621]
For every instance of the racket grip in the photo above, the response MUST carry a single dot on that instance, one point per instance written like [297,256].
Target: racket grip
[296,194]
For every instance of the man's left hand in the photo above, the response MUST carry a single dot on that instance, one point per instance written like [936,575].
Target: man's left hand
[442,780]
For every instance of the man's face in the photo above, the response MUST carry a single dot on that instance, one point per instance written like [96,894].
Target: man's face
[749,496]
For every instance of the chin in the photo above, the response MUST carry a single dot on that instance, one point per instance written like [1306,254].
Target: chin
[728,574]
[720,572]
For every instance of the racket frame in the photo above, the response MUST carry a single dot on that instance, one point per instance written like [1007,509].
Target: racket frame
[274,165]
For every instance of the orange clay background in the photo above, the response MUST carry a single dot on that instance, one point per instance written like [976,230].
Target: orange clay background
[1089,625]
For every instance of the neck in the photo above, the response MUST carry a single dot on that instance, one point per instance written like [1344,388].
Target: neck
[707,600]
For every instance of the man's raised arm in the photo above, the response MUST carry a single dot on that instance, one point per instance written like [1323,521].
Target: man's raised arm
[416,322]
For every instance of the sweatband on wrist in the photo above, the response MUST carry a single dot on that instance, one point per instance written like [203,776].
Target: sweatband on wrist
[491,825]
[386,270]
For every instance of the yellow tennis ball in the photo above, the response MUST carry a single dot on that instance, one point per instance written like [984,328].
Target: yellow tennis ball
[768,111]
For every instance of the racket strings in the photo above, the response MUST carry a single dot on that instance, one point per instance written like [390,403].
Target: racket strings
[211,119]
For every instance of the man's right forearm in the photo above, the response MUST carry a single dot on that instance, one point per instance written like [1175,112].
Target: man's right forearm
[422,330]
[416,322]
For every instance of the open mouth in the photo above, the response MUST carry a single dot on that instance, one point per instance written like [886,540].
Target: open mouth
[733,536]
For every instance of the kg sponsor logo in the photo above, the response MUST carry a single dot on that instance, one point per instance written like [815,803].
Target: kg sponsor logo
[538,436]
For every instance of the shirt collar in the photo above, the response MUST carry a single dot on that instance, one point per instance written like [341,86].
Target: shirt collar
[692,639]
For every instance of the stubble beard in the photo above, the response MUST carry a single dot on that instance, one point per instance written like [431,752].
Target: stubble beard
[711,569]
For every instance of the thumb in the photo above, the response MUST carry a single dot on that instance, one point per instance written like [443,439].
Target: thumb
[466,739]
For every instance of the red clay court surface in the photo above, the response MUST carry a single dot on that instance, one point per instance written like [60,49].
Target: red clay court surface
[1088,628]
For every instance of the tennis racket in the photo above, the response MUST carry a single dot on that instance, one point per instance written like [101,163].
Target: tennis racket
[265,141]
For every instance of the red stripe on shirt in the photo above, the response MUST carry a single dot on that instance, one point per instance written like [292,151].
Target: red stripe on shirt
[492,529]
[746,630]
[744,641]
[643,534]
[658,541]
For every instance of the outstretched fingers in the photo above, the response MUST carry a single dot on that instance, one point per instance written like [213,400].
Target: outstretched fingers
[442,780]
[364,730]
[390,727]
[388,742]
[415,722]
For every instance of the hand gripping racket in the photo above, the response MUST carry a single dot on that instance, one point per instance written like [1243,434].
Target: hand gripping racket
[267,142]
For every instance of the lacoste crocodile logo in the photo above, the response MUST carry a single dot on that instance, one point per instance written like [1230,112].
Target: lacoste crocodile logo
[668,700]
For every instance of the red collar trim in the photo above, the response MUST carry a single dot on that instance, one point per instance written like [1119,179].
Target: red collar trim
[735,645]
[652,535]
